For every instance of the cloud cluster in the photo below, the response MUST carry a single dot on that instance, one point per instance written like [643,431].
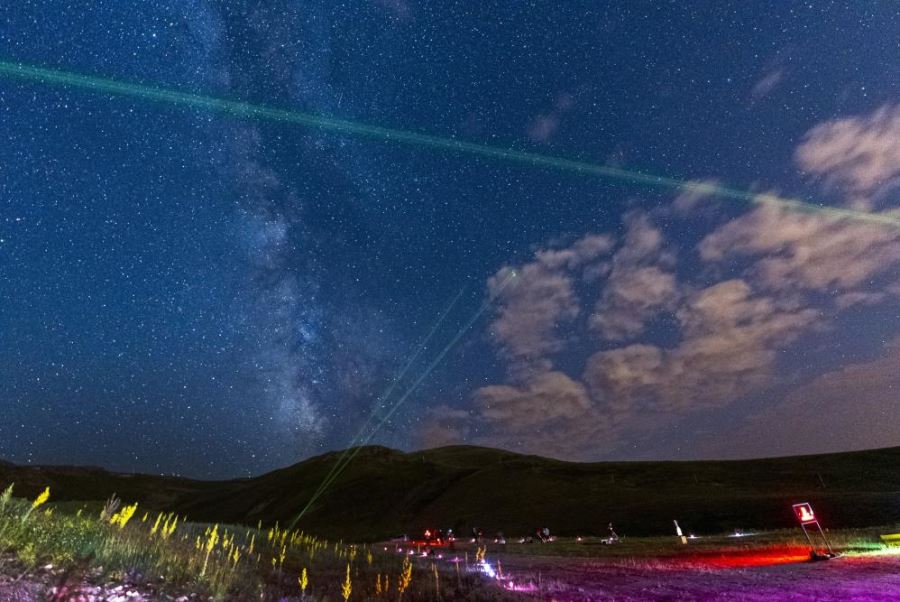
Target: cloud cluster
[540,401]
[807,251]
[639,285]
[766,278]
[860,153]
[541,299]
[730,338]
[815,251]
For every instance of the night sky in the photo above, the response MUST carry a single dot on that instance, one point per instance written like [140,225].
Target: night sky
[187,291]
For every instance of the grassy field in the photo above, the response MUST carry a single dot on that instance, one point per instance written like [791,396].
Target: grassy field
[157,555]
[168,555]
[853,541]
[385,492]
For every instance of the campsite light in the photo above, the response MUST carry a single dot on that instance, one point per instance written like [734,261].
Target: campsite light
[488,570]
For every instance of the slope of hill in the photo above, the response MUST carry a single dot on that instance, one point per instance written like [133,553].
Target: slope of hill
[386,492]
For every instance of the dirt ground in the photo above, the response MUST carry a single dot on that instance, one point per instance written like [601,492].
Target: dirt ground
[49,583]
[849,578]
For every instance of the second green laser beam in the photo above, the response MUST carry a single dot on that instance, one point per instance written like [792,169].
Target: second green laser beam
[337,467]
[396,406]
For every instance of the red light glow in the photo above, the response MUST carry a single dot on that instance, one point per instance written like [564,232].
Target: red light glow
[804,513]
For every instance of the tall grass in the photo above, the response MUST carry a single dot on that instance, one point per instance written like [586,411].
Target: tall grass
[222,561]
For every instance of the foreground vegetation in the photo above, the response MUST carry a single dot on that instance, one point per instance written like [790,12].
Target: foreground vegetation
[125,543]
[222,562]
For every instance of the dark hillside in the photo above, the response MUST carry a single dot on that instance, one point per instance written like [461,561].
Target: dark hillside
[386,492]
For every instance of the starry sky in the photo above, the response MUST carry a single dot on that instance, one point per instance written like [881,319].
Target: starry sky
[187,291]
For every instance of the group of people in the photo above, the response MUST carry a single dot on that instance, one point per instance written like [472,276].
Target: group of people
[439,537]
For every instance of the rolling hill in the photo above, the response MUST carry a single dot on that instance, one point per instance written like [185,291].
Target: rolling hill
[386,492]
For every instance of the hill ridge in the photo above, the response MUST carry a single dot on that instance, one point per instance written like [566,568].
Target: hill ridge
[385,491]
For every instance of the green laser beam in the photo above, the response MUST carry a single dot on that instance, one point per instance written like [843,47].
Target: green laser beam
[355,451]
[336,467]
[428,370]
[342,126]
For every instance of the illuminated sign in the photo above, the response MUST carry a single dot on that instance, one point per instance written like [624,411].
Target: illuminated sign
[808,520]
[804,513]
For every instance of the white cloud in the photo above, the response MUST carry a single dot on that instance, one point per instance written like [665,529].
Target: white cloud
[637,288]
[532,307]
[729,333]
[544,398]
[582,251]
[729,347]
[860,153]
[813,251]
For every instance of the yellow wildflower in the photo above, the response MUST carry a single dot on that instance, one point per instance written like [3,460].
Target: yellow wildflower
[303,580]
[405,575]
[41,499]
[347,587]
[156,524]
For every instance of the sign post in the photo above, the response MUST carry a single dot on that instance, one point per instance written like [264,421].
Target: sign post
[807,518]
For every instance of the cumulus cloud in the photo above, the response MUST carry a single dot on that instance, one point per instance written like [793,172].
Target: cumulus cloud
[729,346]
[544,397]
[812,251]
[532,308]
[548,412]
[540,298]
[789,273]
[446,426]
[794,251]
[581,252]
[860,153]
[638,288]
